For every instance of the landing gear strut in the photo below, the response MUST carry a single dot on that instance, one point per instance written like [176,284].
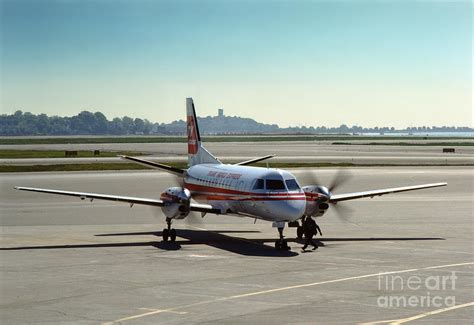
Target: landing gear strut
[281,244]
[169,233]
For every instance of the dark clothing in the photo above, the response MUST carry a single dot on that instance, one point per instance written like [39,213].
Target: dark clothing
[318,229]
[310,229]
[309,241]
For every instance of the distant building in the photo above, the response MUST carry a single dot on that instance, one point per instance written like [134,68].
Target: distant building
[220,112]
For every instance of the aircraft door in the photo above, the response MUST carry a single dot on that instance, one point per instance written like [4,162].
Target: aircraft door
[241,186]
[246,203]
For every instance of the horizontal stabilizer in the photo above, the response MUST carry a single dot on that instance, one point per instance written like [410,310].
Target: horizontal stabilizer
[252,161]
[169,169]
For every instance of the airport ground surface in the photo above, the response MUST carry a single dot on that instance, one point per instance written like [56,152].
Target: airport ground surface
[287,152]
[66,260]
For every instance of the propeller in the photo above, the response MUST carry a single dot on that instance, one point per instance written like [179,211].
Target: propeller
[343,212]
[178,180]
[193,219]
[342,176]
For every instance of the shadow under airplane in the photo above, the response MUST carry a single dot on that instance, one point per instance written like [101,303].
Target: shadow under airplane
[216,239]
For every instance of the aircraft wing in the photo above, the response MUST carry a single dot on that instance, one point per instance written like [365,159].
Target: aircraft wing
[251,161]
[152,164]
[357,195]
[206,208]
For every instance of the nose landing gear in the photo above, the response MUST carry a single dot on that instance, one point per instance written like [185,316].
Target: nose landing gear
[169,233]
[281,244]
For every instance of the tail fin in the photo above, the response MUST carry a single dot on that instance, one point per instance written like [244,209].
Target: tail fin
[197,154]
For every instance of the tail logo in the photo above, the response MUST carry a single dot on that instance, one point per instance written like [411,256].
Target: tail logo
[192,136]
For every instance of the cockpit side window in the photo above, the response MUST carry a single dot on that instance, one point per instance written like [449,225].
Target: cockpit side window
[275,184]
[259,184]
[292,185]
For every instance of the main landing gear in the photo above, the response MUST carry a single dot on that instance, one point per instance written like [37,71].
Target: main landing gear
[281,244]
[169,233]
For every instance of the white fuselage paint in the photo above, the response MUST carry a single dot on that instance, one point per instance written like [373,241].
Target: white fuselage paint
[232,189]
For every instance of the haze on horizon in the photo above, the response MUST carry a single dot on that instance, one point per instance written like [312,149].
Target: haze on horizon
[292,63]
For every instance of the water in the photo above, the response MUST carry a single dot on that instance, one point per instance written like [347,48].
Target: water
[424,134]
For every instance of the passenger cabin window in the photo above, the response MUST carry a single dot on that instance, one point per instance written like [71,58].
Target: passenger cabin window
[292,185]
[259,184]
[275,184]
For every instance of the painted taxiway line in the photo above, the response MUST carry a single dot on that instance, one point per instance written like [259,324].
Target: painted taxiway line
[415,317]
[159,310]
[305,285]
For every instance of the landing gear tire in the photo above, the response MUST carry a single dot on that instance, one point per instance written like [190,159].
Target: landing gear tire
[281,243]
[299,232]
[172,235]
[165,234]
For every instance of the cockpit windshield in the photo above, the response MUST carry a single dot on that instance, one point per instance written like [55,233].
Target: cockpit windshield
[274,184]
[259,184]
[292,185]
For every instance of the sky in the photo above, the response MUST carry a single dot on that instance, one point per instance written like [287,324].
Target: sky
[315,63]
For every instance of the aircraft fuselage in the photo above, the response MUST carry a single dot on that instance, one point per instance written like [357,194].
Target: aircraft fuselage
[264,193]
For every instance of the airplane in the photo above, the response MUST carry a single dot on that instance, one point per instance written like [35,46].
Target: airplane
[210,186]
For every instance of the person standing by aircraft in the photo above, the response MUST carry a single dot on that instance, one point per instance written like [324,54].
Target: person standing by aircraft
[310,229]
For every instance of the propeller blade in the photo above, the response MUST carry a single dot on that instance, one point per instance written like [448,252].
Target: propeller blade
[193,219]
[309,177]
[341,177]
[157,213]
[343,212]
[178,181]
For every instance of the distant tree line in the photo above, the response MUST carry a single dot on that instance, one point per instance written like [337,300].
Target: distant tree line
[88,123]
[84,123]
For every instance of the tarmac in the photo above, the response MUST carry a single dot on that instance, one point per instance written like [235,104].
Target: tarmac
[405,257]
[287,152]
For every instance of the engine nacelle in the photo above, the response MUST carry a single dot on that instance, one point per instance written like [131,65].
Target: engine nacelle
[177,201]
[317,200]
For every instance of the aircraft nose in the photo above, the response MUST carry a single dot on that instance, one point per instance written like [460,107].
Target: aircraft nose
[291,209]
[296,207]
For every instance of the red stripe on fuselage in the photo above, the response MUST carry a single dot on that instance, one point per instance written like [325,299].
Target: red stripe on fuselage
[213,189]
[231,198]
[216,193]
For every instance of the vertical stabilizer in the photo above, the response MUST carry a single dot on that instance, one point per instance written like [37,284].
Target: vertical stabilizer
[197,154]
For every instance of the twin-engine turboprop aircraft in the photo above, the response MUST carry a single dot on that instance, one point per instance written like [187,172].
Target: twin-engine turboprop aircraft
[234,189]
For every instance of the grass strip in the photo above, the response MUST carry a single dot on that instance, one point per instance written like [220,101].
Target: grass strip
[18,154]
[179,139]
[131,166]
[443,144]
